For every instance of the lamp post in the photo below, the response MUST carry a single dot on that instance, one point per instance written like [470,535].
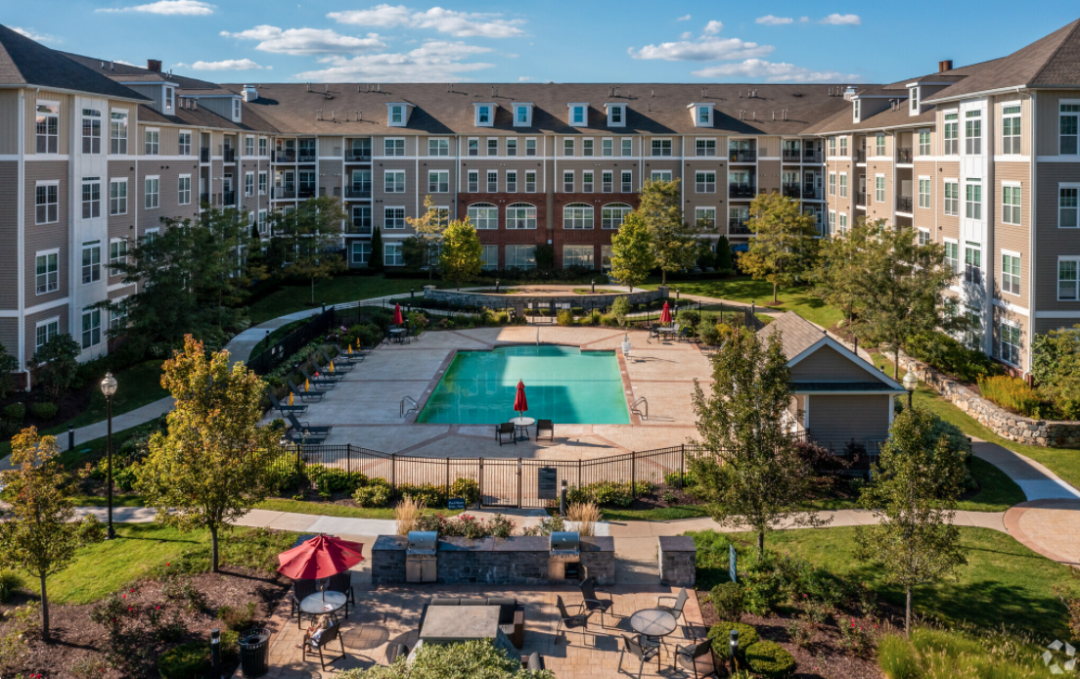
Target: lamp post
[910,383]
[108,388]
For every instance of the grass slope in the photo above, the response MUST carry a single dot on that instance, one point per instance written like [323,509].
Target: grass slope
[291,298]
[801,300]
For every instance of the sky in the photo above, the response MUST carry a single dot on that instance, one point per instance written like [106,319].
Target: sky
[836,42]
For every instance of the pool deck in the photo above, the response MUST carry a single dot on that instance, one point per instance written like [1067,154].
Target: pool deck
[364,407]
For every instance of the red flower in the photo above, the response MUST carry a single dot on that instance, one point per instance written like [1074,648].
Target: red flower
[123,596]
[130,609]
[167,563]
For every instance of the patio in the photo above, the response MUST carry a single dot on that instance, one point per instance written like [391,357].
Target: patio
[386,616]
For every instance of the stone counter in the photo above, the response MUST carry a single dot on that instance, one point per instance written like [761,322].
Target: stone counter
[677,555]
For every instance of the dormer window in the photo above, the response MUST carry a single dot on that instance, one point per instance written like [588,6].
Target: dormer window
[616,115]
[858,109]
[523,115]
[168,98]
[485,115]
[579,115]
[914,99]
[398,114]
[703,114]
[236,109]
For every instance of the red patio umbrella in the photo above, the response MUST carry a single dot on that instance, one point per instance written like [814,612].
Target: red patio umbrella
[398,320]
[320,557]
[520,404]
[665,314]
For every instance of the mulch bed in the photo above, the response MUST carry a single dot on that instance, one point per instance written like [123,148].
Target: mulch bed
[71,404]
[676,497]
[75,637]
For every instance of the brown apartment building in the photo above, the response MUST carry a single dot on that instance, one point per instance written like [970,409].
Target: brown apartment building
[981,158]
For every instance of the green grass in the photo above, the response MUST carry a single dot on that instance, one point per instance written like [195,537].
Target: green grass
[292,298]
[801,300]
[330,509]
[1003,583]
[102,501]
[659,514]
[276,336]
[137,386]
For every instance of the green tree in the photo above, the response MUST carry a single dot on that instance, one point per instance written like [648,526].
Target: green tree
[8,365]
[674,245]
[784,246]
[632,252]
[1055,366]
[750,471]
[462,255]
[38,531]
[309,235]
[723,255]
[913,496]
[839,277]
[544,256]
[429,228]
[55,363]
[211,467]
[375,261]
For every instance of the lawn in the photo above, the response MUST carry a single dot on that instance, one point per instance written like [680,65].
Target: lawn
[137,386]
[331,509]
[276,336]
[657,514]
[1003,583]
[292,298]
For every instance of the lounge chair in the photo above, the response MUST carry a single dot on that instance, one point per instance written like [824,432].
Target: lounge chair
[284,408]
[308,396]
[357,355]
[638,650]
[297,424]
[323,380]
[505,429]
[339,365]
[545,425]
[570,621]
[306,438]
[331,634]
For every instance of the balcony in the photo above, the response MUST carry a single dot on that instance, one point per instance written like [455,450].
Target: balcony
[284,156]
[860,198]
[738,227]
[358,156]
[204,198]
[359,228]
[228,198]
[860,155]
[812,156]
[903,204]
[358,192]
[742,156]
[811,193]
[741,191]
[904,155]
[229,155]
[306,192]
[204,155]
[792,156]
[306,156]
[792,191]
[284,192]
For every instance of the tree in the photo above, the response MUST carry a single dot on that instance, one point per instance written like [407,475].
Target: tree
[750,471]
[913,496]
[38,531]
[309,233]
[462,255]
[429,229]
[55,363]
[784,246]
[673,239]
[723,255]
[632,252]
[8,365]
[375,261]
[211,467]
[1055,366]
[839,277]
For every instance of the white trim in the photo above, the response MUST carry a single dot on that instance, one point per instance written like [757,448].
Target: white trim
[1057,314]
[1057,202]
[1008,306]
[1041,159]
[1013,159]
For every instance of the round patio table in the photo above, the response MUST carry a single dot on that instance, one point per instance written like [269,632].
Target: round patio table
[521,426]
[653,624]
[321,603]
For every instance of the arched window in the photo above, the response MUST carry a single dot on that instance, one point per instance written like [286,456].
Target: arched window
[484,216]
[578,216]
[521,216]
[613,214]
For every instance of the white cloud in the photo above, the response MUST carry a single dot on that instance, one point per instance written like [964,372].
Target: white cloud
[125,63]
[804,20]
[525,78]
[435,61]
[168,8]
[684,18]
[774,72]
[842,20]
[770,20]
[686,35]
[226,65]
[457,24]
[306,41]
[34,35]
[704,49]
[713,27]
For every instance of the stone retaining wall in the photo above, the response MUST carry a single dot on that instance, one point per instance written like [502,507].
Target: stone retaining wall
[526,301]
[1065,434]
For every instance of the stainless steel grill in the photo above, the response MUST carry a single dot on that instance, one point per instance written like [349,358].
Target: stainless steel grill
[564,555]
[421,556]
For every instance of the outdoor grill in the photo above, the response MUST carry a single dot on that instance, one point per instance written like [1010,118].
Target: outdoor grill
[421,556]
[564,556]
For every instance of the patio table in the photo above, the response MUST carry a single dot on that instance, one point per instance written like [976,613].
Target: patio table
[321,603]
[521,427]
[447,624]
[653,624]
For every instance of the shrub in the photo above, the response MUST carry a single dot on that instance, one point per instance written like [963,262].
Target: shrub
[729,599]
[185,661]
[709,334]
[586,514]
[764,586]
[88,667]
[897,658]
[620,308]
[43,410]
[944,353]
[334,480]
[565,317]
[853,638]
[680,480]
[430,495]
[238,619]
[689,317]
[15,412]
[372,496]
[720,633]
[466,488]
[608,493]
[769,659]
[407,512]
[1012,394]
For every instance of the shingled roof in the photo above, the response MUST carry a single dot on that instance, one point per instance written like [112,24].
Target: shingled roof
[796,333]
[131,73]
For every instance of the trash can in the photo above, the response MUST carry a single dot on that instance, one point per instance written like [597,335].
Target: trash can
[255,653]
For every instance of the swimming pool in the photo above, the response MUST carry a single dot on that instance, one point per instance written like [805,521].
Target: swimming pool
[562,384]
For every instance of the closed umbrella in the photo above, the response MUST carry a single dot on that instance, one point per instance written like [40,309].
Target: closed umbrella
[520,404]
[398,320]
[320,557]
[665,314]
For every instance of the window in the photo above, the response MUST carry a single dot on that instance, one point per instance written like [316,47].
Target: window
[1010,273]
[577,114]
[91,197]
[568,146]
[150,142]
[438,181]
[263,148]
[605,257]
[489,256]
[843,146]
[236,109]
[578,216]
[361,252]
[972,262]
[249,146]
[924,192]
[249,184]
[616,116]
[150,190]
[879,145]
[91,327]
[952,256]
[843,224]
[511,181]
[530,147]
[832,222]
[1010,130]
[843,185]
[47,278]
[530,181]
[263,225]
[607,147]
[612,216]
[606,181]
[879,189]
[924,142]
[91,262]
[392,254]
[627,183]
[522,116]
[952,134]
[47,200]
[578,255]
[45,331]
[511,147]
[627,148]
[705,218]
[438,147]
[117,255]
[858,109]
[914,99]
[91,131]
[1068,280]
[952,198]
[587,181]
[924,237]
[705,182]
[568,182]
[705,147]
[394,218]
[492,181]
[1069,122]
[973,132]
[183,146]
[1009,342]
[704,116]
[473,183]
[264,182]
[484,216]
[492,146]
[394,147]
[397,115]
[520,216]
[1067,207]
[361,215]
[48,127]
[832,183]
[1010,204]
[474,147]
[394,181]
[520,256]
[118,197]
[118,123]
[832,146]
[483,115]
[661,147]
[586,147]
[973,205]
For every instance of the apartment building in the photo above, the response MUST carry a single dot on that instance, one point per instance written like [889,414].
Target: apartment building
[964,156]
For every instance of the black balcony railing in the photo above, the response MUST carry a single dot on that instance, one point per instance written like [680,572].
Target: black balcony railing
[230,155]
[792,190]
[738,227]
[358,192]
[742,156]
[306,192]
[228,197]
[903,155]
[306,156]
[811,193]
[811,156]
[284,156]
[358,155]
[204,155]
[284,192]
[204,198]
[903,203]
[860,155]
[741,191]
[359,227]
[792,156]
[860,198]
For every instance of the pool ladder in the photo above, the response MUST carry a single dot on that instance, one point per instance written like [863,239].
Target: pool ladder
[414,407]
[641,400]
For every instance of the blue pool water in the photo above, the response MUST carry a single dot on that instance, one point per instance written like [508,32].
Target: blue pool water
[562,384]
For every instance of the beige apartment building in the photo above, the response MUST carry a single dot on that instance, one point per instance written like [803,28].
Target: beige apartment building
[981,158]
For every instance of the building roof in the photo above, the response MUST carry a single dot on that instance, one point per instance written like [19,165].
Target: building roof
[131,73]
[890,117]
[796,333]
[204,117]
[25,62]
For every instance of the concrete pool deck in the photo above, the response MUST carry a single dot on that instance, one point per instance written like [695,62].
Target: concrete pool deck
[364,407]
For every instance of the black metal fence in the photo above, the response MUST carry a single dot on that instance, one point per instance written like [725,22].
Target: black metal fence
[502,482]
[273,356]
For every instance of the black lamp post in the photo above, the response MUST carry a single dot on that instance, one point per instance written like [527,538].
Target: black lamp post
[108,388]
[911,382]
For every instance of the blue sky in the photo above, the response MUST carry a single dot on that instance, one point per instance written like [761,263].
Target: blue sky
[555,40]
